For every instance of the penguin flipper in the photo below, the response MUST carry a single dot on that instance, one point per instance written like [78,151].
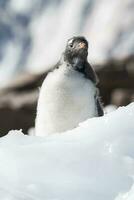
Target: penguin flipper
[90,73]
[99,107]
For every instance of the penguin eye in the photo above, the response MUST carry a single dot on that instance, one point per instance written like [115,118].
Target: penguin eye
[71,45]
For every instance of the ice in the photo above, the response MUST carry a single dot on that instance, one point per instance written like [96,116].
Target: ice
[95,161]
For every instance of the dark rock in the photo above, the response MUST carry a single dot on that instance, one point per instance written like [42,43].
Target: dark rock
[121,97]
[18,103]
[116,74]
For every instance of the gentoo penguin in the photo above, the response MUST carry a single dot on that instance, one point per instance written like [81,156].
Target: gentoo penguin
[68,94]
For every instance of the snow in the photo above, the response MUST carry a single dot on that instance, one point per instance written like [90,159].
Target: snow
[109,108]
[94,161]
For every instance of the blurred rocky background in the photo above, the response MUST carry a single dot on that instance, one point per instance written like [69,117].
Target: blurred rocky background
[33,34]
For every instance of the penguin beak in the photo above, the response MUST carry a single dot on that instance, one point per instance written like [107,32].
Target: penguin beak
[82,45]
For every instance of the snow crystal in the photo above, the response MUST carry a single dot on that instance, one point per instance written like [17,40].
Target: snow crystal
[94,161]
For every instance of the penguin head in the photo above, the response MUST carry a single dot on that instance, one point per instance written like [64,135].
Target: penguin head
[76,49]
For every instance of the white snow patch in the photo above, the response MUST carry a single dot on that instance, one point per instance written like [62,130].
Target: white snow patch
[94,161]
[22,6]
[110,108]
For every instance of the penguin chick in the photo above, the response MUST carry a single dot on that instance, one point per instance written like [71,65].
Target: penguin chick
[68,94]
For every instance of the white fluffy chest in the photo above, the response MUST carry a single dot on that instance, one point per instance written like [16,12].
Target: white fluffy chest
[66,99]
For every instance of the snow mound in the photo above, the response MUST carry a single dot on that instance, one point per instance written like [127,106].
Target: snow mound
[94,161]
